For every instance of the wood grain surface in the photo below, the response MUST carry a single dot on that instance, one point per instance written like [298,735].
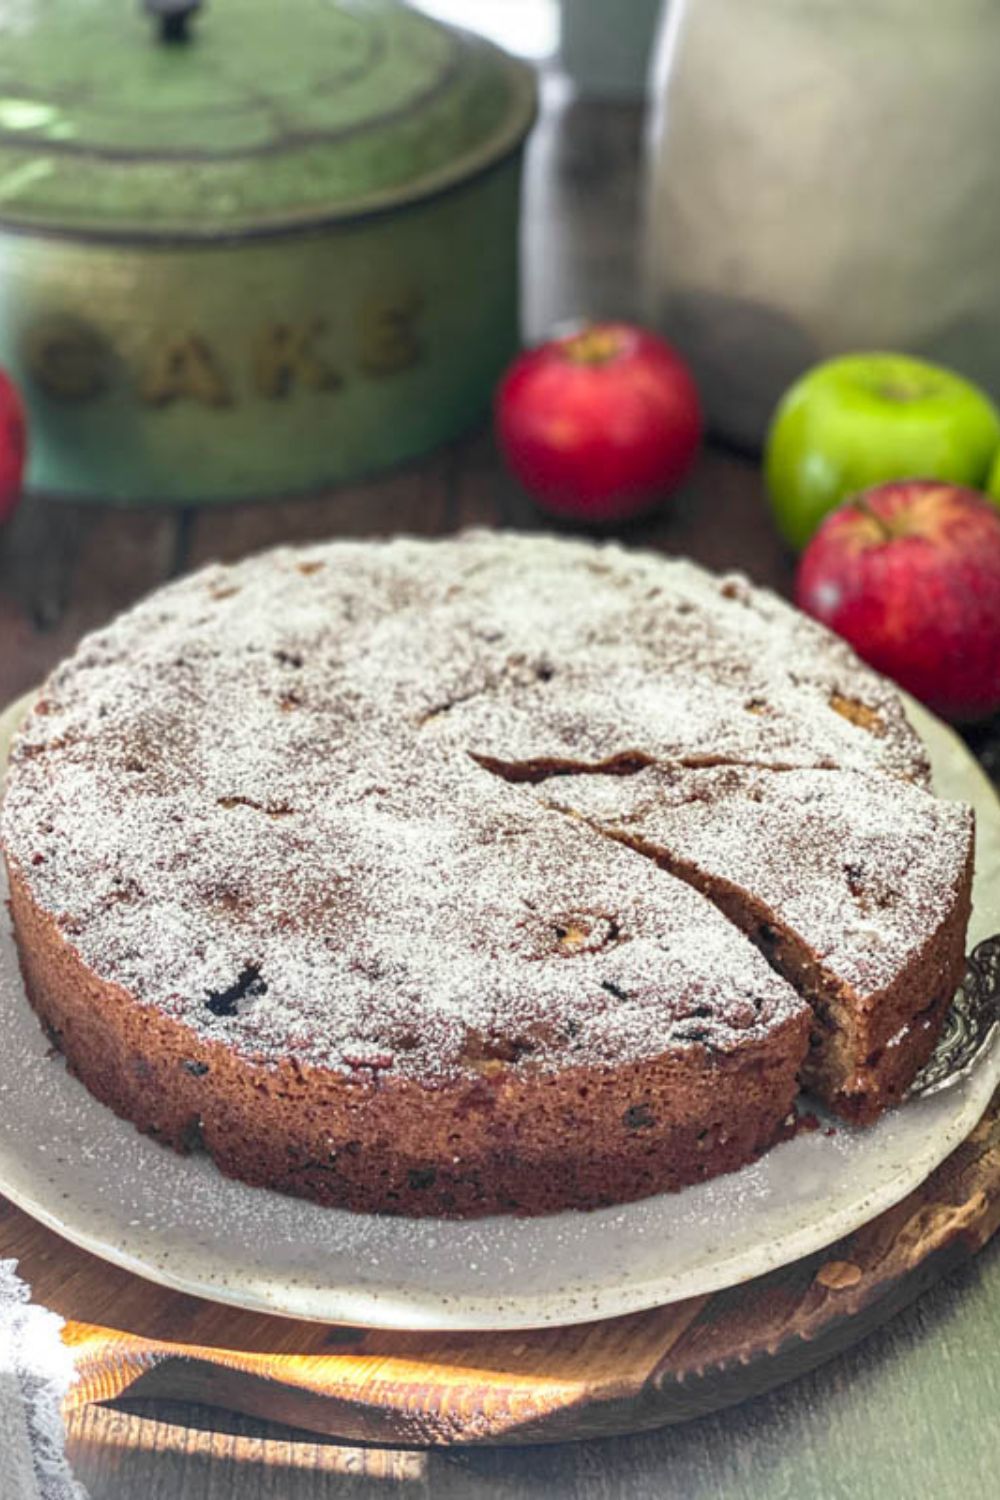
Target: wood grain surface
[911,1411]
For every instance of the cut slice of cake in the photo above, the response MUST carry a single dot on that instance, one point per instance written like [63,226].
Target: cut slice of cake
[856,888]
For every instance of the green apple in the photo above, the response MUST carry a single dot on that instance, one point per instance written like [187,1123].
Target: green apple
[863,419]
[993,483]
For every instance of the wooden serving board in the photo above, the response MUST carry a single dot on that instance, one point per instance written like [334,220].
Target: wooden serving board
[132,1339]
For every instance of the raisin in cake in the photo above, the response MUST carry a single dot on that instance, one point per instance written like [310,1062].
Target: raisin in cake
[492,874]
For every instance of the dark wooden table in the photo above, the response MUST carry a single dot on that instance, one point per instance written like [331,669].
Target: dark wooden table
[912,1411]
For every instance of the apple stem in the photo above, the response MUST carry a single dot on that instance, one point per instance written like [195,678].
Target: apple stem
[885,531]
[593,345]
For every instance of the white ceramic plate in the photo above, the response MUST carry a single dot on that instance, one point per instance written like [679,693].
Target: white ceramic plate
[69,1162]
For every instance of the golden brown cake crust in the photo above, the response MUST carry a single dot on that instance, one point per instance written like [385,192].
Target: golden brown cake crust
[501,1140]
[290,881]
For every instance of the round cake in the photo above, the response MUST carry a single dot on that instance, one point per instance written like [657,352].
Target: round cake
[495,874]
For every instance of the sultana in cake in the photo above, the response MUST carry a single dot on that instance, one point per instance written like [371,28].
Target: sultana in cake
[496,874]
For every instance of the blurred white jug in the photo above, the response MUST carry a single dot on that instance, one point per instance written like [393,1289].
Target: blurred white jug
[823,175]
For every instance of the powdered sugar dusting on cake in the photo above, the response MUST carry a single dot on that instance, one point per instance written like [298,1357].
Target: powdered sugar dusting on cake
[253,800]
[861,868]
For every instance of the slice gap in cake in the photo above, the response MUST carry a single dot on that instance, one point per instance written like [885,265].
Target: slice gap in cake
[543,768]
[534,770]
[632,759]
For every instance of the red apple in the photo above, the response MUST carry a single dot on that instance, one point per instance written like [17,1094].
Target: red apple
[601,424]
[909,574]
[12,447]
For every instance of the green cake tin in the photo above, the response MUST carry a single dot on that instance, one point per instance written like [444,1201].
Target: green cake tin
[255,250]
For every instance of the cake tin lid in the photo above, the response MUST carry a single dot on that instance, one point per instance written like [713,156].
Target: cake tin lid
[240,117]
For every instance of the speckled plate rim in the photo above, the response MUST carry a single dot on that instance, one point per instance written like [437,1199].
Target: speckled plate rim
[69,1163]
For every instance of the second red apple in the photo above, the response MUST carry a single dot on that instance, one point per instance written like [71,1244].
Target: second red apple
[909,575]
